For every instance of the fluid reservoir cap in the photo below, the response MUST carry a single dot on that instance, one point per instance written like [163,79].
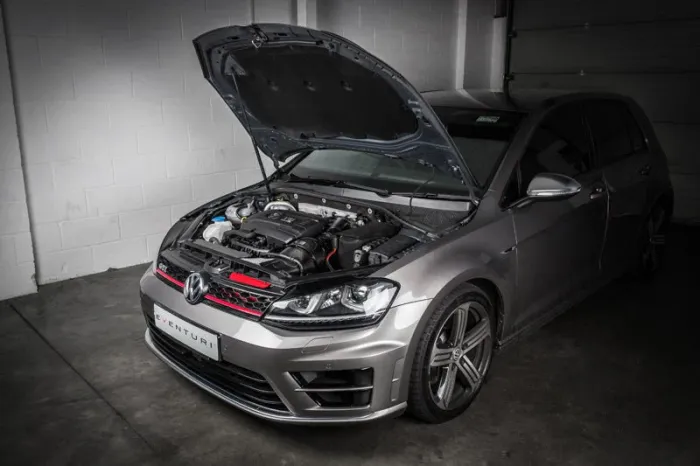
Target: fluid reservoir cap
[220,218]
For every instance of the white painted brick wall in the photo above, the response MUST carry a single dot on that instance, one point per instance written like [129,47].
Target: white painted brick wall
[16,254]
[47,237]
[88,231]
[120,253]
[417,37]
[206,187]
[145,222]
[114,199]
[120,132]
[273,11]
[166,193]
[62,264]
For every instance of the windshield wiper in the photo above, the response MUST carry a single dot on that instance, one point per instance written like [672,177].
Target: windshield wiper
[336,183]
[290,178]
[429,195]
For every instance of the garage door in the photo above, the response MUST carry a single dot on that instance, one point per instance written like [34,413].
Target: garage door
[649,50]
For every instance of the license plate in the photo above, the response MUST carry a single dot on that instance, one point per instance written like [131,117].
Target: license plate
[198,339]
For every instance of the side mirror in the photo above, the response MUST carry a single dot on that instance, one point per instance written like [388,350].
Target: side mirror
[552,186]
[549,186]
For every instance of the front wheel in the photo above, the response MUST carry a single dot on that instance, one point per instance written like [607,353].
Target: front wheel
[453,356]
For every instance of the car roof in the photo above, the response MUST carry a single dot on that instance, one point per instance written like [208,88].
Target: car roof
[523,101]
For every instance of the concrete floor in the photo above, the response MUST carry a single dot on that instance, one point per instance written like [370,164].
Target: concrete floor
[613,381]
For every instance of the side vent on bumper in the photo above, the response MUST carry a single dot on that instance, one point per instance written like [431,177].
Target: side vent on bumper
[337,389]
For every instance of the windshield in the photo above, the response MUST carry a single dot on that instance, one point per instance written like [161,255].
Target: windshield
[481,136]
[378,171]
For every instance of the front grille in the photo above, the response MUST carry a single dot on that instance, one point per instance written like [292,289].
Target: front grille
[234,295]
[243,384]
[175,271]
[240,297]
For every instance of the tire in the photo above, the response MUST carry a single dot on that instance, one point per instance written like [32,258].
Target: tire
[653,241]
[440,354]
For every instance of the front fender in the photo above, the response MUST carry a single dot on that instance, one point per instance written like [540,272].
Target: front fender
[482,250]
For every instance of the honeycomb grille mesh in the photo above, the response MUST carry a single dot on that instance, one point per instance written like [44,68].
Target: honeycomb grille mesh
[236,296]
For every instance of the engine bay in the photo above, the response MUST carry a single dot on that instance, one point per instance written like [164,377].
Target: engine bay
[293,235]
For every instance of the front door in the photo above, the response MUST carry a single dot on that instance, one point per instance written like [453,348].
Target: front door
[559,242]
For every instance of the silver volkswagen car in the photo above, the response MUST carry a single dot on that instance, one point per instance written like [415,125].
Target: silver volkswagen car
[403,237]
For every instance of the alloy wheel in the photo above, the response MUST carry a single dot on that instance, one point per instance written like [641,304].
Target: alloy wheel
[460,356]
[655,241]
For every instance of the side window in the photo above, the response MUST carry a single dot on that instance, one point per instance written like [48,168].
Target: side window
[636,136]
[559,145]
[615,132]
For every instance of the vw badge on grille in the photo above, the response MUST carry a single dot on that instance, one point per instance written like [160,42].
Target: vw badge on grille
[196,287]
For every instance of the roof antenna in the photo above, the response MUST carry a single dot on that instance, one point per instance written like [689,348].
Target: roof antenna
[252,138]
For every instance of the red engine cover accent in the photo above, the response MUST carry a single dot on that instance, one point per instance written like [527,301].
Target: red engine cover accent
[250,281]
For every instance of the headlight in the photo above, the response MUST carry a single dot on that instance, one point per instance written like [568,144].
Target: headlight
[353,305]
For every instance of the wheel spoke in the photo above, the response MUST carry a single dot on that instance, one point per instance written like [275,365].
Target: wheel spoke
[440,356]
[461,352]
[459,326]
[470,373]
[476,335]
[447,386]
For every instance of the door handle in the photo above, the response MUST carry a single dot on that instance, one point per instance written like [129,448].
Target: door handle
[645,170]
[597,192]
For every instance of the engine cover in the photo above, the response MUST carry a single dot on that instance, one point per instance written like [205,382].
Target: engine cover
[283,226]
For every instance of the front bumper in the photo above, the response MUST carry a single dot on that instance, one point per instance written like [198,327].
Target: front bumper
[274,354]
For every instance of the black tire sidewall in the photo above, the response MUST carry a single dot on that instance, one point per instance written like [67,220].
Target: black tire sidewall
[421,404]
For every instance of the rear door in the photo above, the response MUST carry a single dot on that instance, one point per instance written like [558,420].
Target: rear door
[626,161]
[559,242]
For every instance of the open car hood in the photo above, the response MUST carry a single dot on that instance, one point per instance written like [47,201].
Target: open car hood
[307,89]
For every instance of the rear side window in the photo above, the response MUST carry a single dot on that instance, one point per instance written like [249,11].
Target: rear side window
[559,145]
[615,131]
[636,136]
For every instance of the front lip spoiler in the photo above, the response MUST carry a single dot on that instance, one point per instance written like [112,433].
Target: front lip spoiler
[286,419]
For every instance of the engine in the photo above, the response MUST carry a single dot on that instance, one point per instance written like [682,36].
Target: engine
[281,227]
[297,237]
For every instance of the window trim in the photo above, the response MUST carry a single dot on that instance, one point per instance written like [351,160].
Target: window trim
[518,181]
